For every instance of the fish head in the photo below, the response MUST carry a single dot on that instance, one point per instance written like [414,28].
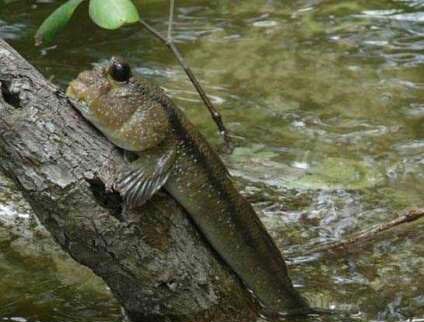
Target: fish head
[119,105]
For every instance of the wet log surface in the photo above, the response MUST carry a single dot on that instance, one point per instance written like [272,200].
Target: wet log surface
[157,265]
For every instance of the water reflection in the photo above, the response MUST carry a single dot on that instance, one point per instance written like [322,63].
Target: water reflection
[11,32]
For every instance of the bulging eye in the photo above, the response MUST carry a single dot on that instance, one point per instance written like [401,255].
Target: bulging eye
[120,71]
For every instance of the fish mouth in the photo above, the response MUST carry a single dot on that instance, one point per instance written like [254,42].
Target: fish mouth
[77,91]
[78,88]
[87,87]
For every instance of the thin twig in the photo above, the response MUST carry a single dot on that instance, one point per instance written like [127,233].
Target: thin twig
[368,234]
[168,41]
[152,30]
[171,19]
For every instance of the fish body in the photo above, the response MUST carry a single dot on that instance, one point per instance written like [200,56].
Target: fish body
[138,117]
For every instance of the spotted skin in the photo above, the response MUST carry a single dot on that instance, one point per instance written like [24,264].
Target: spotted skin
[137,116]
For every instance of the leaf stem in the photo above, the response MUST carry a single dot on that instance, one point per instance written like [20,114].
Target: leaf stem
[168,41]
[171,18]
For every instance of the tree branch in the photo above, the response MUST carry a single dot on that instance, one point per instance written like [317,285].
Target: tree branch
[157,265]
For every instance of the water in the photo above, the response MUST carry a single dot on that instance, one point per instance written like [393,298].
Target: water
[325,101]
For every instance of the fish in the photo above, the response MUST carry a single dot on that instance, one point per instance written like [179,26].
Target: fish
[171,154]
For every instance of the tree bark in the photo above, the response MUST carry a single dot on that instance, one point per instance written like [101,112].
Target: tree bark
[157,265]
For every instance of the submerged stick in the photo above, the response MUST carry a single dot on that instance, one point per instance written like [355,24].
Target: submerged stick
[369,234]
[169,42]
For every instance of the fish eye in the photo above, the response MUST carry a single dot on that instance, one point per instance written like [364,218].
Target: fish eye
[120,71]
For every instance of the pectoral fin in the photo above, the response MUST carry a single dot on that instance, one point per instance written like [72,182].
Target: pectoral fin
[146,175]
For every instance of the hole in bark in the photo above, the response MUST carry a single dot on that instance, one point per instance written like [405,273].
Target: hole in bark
[130,156]
[107,199]
[8,96]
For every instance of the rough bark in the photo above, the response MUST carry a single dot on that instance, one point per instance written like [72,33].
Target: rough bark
[157,266]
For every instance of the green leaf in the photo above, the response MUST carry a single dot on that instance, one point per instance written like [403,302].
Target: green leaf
[56,22]
[112,14]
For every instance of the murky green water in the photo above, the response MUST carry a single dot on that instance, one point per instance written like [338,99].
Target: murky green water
[325,99]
